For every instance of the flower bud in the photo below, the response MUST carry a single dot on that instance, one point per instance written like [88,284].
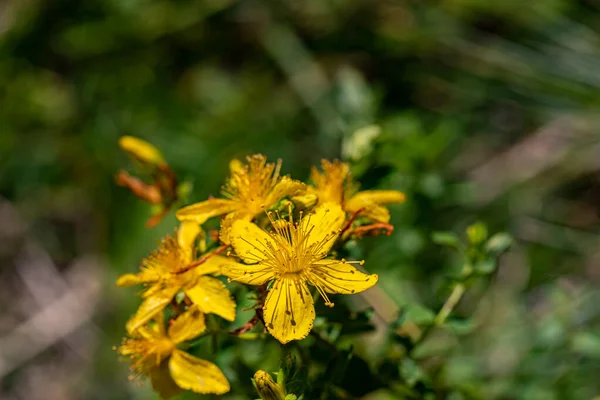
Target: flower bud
[266,387]
[141,150]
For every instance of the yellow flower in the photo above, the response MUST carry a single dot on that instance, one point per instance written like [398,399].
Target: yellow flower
[335,184]
[153,353]
[293,256]
[250,189]
[167,271]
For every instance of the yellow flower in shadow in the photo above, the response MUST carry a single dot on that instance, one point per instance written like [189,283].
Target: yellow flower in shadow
[335,184]
[250,189]
[294,256]
[168,270]
[153,352]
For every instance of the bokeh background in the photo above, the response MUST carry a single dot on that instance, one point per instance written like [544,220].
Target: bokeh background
[488,111]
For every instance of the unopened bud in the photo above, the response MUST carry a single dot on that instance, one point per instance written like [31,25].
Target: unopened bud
[266,387]
[141,150]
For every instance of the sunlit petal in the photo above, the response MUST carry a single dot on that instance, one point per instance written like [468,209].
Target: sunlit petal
[369,203]
[323,227]
[256,274]
[289,311]
[186,236]
[128,280]
[200,212]
[198,375]
[251,243]
[335,276]
[212,296]
[211,265]
[188,325]
[286,187]
[227,224]
[150,307]
[377,197]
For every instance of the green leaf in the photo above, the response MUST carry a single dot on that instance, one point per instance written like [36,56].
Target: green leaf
[448,239]
[416,313]
[499,243]
[486,266]
[587,343]
[460,326]
[411,372]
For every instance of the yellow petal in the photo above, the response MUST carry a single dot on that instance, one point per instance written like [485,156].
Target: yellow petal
[257,274]
[364,198]
[141,150]
[324,226]
[227,223]
[128,280]
[331,183]
[144,276]
[335,276]
[151,306]
[212,265]
[251,243]
[197,375]
[186,235]
[284,188]
[212,297]
[188,325]
[289,311]
[163,383]
[305,201]
[200,212]
[376,213]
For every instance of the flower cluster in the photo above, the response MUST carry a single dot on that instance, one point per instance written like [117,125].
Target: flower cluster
[275,233]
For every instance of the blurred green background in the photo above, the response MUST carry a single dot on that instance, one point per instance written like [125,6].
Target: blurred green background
[488,111]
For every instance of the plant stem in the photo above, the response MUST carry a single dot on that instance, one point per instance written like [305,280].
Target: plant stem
[440,318]
[451,302]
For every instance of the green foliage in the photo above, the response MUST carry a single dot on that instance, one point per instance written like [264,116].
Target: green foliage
[487,112]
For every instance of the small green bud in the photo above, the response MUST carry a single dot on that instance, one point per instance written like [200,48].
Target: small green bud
[477,233]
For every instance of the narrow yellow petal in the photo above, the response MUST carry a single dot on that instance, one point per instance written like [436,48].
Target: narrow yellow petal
[324,225]
[212,297]
[212,265]
[289,310]
[335,276]
[128,280]
[250,243]
[197,375]
[366,197]
[375,212]
[186,235]
[163,383]
[286,187]
[141,150]
[188,325]
[144,276]
[151,306]
[201,212]
[257,274]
